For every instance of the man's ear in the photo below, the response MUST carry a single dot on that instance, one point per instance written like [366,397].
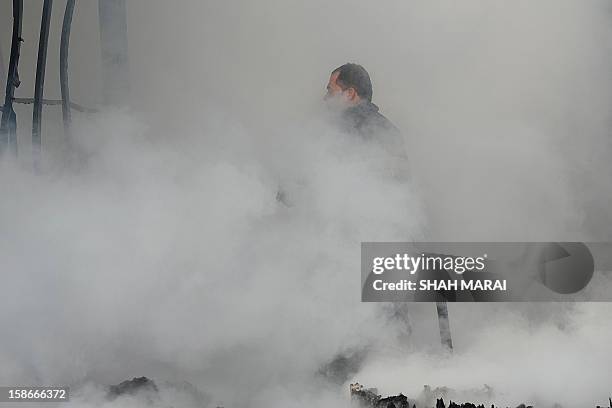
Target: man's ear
[351,94]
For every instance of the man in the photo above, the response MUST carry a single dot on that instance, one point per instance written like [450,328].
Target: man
[349,96]
[349,92]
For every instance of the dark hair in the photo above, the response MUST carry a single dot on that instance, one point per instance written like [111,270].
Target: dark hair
[355,76]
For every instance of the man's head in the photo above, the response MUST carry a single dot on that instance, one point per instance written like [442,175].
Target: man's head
[349,85]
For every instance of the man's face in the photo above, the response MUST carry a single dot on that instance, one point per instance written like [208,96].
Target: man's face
[333,89]
[338,98]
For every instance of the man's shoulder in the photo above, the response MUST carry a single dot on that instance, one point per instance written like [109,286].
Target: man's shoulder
[366,117]
[366,120]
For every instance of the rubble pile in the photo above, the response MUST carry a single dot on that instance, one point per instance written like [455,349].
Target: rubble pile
[360,396]
[369,398]
[131,387]
[165,393]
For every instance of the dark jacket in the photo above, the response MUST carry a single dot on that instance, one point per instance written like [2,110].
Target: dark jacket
[365,121]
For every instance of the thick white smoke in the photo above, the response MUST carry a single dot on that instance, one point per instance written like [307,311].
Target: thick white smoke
[174,258]
[161,249]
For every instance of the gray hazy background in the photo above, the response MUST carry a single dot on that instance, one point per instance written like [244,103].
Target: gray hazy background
[165,254]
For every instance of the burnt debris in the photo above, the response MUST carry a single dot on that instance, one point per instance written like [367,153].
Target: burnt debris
[132,387]
[369,398]
[160,394]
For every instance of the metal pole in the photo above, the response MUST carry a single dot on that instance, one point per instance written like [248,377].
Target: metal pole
[2,68]
[40,82]
[113,41]
[8,123]
[64,45]
[445,333]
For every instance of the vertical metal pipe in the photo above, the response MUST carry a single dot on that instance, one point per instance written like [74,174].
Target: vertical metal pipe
[2,68]
[445,333]
[64,85]
[112,16]
[39,85]
[8,123]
